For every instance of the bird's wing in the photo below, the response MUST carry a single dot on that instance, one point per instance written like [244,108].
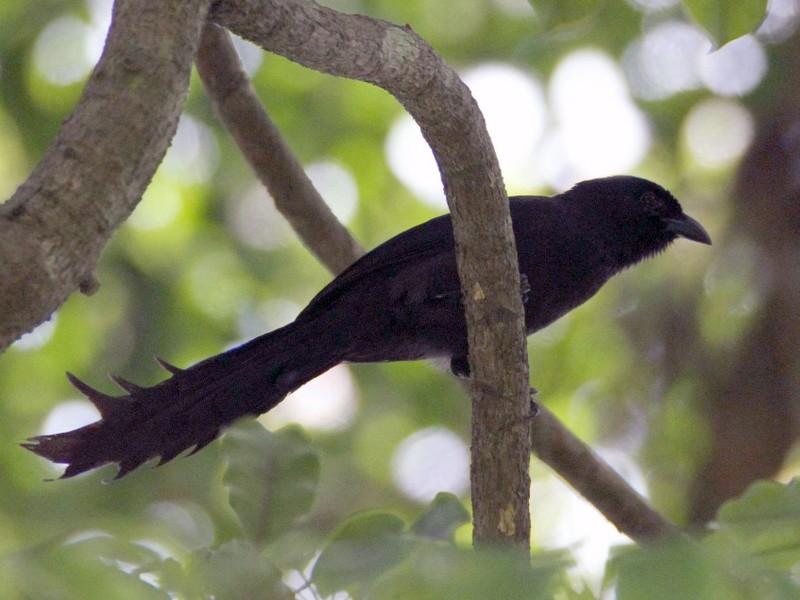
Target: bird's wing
[419,264]
[421,249]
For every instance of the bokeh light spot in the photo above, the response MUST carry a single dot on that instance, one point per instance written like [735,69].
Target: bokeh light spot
[513,105]
[256,221]
[193,154]
[60,54]
[337,186]
[37,338]
[100,21]
[326,403]
[565,519]
[652,5]
[69,415]
[515,8]
[736,68]
[412,162]
[160,205]
[202,280]
[717,132]
[274,313]
[251,55]
[430,461]
[666,60]
[598,129]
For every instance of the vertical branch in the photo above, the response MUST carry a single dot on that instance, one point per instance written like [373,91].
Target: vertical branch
[397,60]
[552,442]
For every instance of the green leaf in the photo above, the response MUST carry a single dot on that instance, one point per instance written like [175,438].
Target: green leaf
[97,567]
[172,577]
[677,569]
[271,478]
[764,521]
[236,570]
[439,571]
[725,20]
[555,13]
[441,519]
[361,550]
[713,569]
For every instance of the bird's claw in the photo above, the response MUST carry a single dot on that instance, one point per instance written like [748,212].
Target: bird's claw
[525,287]
[534,406]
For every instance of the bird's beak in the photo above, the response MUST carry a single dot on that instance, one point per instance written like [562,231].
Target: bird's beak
[688,228]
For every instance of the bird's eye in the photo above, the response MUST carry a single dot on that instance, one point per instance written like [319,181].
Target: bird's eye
[652,204]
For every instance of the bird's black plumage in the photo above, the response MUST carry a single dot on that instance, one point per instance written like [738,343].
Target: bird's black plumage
[402,301]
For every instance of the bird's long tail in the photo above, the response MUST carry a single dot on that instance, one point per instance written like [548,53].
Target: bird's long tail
[189,409]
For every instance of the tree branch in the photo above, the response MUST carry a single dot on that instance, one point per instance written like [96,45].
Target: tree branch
[397,60]
[553,443]
[261,143]
[596,481]
[53,228]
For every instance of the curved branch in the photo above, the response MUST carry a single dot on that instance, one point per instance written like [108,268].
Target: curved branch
[552,442]
[261,143]
[397,60]
[54,227]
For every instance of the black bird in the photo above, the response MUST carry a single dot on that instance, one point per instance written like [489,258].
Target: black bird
[402,301]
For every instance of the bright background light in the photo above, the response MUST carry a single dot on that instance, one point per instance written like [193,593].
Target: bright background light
[255,220]
[653,5]
[666,60]
[598,130]
[590,127]
[736,68]
[337,186]
[717,132]
[564,519]
[326,403]
[38,337]
[69,415]
[68,48]
[430,461]
[193,155]
[513,105]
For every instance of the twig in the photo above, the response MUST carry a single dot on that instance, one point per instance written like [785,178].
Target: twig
[269,155]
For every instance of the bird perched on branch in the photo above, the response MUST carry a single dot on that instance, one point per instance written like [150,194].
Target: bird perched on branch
[402,301]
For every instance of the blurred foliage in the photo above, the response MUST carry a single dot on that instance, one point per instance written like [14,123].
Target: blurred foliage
[752,553]
[252,515]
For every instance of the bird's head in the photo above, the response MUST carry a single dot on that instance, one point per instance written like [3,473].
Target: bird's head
[639,217]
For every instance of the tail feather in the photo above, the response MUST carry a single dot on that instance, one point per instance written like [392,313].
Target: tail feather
[192,406]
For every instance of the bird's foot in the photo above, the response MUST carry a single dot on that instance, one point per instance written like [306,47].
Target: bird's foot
[525,287]
[534,406]
[459,365]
